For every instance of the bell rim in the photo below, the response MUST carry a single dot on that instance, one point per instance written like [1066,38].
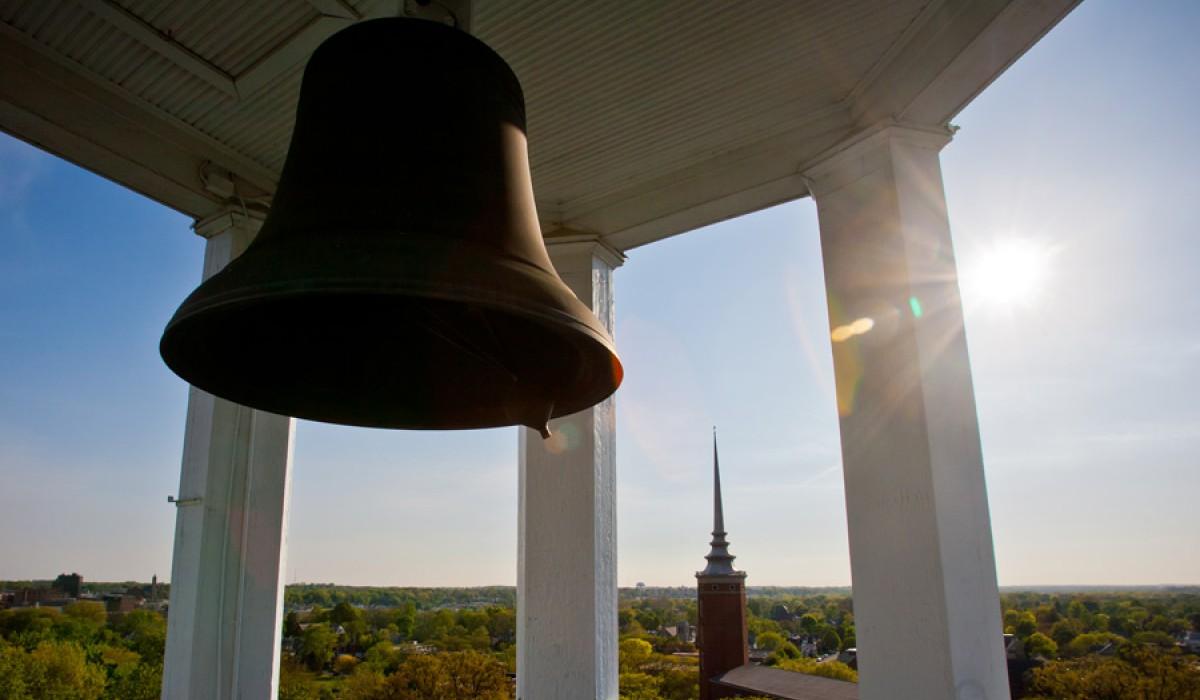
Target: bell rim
[586,338]
[519,306]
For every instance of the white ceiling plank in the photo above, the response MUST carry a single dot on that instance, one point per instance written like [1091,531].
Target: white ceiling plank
[162,44]
[293,53]
[735,183]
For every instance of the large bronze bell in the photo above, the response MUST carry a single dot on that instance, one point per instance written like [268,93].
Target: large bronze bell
[400,279]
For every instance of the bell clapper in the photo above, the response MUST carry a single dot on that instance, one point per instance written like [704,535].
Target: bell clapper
[542,425]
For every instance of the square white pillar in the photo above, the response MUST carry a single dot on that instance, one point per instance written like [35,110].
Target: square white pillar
[567,539]
[226,605]
[926,604]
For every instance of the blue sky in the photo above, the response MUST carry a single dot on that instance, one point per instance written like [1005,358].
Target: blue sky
[1083,156]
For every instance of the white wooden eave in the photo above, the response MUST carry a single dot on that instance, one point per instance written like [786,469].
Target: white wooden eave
[646,119]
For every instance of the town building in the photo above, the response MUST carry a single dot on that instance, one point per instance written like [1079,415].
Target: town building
[70,584]
[725,667]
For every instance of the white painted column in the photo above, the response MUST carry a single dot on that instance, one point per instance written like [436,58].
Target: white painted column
[226,603]
[926,604]
[567,538]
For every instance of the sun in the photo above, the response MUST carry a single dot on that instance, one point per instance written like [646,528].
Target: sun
[1011,272]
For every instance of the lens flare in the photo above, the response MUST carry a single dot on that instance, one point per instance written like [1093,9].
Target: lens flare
[1010,273]
[848,331]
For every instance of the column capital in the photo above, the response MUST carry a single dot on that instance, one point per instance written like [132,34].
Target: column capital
[567,242]
[865,151]
[230,218]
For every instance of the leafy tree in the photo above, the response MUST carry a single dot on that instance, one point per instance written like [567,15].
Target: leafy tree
[1025,624]
[809,622]
[471,675]
[761,625]
[344,664]
[786,651]
[119,657]
[29,625]
[830,641]
[648,618]
[60,671]
[1063,631]
[1039,644]
[405,622]
[639,686]
[1137,673]
[829,669]
[849,638]
[12,673]
[433,625]
[472,619]
[343,613]
[1010,620]
[1090,642]
[364,684]
[295,683]
[633,654]
[291,625]
[1178,626]
[770,641]
[137,681]
[679,682]
[416,681]
[381,658]
[316,646]
[87,611]
[144,632]
[1048,613]
[502,625]
[355,631]
[1162,639]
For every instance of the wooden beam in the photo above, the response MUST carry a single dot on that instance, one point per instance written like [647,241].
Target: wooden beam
[335,8]
[160,43]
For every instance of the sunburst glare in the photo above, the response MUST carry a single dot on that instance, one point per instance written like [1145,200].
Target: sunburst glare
[1011,272]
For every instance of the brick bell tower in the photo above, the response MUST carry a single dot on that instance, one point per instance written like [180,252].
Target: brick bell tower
[721,633]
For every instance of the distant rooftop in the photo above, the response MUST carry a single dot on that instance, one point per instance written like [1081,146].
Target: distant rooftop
[786,685]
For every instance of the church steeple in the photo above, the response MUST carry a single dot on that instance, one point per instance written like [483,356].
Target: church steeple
[721,633]
[720,561]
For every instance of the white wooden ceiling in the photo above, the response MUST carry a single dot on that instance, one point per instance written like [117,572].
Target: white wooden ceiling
[646,117]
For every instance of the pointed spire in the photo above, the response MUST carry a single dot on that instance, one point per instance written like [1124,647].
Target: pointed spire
[720,561]
[718,510]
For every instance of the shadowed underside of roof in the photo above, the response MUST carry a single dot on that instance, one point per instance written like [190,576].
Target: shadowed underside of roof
[645,119]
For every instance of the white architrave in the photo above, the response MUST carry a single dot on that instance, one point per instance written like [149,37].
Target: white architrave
[926,604]
[567,539]
[226,603]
